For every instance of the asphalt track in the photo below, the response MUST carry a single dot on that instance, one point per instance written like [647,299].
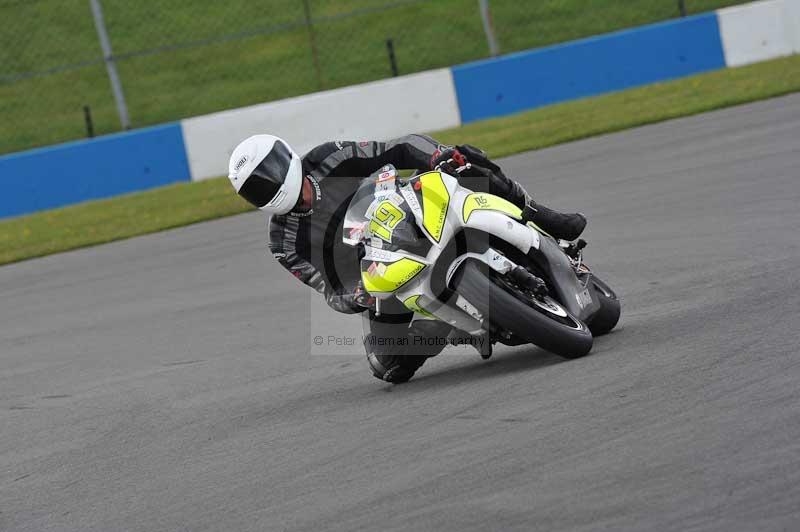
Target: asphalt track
[165,382]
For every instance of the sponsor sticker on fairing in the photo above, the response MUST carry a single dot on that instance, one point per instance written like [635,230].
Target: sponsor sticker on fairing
[386,172]
[384,188]
[372,269]
[378,254]
[396,198]
[583,298]
[411,198]
[357,233]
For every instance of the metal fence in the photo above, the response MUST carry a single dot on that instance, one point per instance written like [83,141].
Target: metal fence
[76,68]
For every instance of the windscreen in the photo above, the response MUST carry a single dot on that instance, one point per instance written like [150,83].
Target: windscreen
[356,220]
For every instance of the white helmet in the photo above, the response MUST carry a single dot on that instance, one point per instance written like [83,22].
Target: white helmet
[265,171]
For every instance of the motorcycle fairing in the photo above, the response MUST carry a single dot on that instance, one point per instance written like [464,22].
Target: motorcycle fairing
[413,303]
[570,292]
[483,201]
[435,202]
[383,277]
[442,211]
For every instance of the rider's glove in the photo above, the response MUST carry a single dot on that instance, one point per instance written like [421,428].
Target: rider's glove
[449,160]
[478,157]
[350,303]
[362,297]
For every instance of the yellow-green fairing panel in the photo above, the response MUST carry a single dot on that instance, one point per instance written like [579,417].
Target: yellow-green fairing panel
[412,303]
[383,277]
[481,201]
[435,200]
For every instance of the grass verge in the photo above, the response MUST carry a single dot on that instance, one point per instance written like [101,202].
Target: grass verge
[102,221]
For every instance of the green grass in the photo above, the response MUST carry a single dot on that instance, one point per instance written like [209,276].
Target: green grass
[146,212]
[101,221]
[39,35]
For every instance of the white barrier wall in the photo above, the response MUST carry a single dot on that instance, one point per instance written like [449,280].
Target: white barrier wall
[791,11]
[372,111]
[759,31]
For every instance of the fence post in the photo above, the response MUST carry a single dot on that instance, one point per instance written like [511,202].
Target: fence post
[111,67]
[682,7]
[313,42]
[392,58]
[487,28]
[87,117]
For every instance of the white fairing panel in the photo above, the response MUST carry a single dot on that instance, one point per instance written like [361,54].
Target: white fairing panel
[520,236]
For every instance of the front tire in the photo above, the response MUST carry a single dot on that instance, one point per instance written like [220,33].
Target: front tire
[605,319]
[544,323]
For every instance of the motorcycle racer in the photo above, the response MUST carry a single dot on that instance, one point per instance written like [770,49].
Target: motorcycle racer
[307,198]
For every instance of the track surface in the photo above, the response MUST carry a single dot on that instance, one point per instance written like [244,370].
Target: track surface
[163,383]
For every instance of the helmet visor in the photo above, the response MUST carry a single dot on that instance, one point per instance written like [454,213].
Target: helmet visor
[268,177]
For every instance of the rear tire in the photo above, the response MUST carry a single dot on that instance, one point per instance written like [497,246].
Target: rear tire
[543,323]
[605,319]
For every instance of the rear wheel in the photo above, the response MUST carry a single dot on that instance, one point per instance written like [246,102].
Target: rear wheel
[605,319]
[539,320]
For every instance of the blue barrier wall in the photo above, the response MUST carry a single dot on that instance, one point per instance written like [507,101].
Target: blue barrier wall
[590,66]
[78,171]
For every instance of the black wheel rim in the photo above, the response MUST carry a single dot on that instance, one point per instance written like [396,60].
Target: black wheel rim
[543,305]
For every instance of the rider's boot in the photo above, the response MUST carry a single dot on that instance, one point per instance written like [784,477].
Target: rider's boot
[557,224]
[481,342]
[483,345]
[394,368]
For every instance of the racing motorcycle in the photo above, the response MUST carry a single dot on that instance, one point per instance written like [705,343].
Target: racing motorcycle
[477,262]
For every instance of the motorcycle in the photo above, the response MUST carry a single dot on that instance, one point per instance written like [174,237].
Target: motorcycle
[477,262]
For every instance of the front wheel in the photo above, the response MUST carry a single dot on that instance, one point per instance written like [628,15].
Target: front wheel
[540,321]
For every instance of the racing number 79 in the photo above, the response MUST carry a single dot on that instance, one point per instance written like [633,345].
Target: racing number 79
[385,218]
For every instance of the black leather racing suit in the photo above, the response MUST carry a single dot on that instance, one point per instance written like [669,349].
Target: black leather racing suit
[310,246]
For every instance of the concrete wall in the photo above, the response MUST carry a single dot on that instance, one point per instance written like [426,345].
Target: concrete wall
[378,110]
[759,31]
[198,148]
[791,12]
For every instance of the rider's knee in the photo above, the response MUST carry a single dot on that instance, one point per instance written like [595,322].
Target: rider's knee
[394,368]
[396,358]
